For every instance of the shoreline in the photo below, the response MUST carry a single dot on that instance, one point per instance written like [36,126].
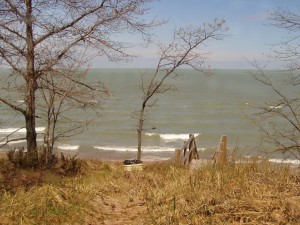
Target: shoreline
[120,156]
[105,155]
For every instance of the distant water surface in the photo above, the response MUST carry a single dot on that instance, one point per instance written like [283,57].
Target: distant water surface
[207,106]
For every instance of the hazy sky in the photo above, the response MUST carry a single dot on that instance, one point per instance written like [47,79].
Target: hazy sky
[249,35]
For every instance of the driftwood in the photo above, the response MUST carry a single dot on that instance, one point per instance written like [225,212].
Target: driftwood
[188,152]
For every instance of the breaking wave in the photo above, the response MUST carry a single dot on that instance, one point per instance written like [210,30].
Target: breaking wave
[170,137]
[18,130]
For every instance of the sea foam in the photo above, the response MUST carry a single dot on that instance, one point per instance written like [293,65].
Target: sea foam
[170,137]
[68,147]
[22,130]
[286,161]
[275,107]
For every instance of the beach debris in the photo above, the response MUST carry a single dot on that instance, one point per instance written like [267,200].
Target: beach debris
[133,165]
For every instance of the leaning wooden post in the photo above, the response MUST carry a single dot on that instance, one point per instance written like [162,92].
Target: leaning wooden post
[219,154]
[177,156]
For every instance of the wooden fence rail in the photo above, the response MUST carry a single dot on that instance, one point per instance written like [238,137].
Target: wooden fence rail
[188,152]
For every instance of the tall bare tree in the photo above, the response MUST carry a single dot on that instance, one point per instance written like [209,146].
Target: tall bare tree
[184,51]
[281,115]
[39,37]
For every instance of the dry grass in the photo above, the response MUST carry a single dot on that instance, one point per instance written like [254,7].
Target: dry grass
[250,194]
[253,193]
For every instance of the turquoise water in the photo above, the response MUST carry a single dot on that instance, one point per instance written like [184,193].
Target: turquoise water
[208,106]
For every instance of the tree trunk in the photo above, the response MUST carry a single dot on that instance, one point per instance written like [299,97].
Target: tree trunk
[31,134]
[31,84]
[140,132]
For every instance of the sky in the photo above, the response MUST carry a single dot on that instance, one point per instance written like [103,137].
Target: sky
[249,34]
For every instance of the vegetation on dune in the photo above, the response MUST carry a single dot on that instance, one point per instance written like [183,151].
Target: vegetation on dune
[251,193]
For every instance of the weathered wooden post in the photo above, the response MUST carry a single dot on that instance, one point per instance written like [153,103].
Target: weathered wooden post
[220,156]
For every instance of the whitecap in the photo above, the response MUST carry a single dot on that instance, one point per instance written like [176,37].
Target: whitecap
[151,134]
[176,136]
[11,130]
[286,161]
[68,147]
[39,129]
[275,107]
[170,137]
[18,130]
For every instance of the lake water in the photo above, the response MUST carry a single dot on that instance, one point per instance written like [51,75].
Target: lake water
[207,106]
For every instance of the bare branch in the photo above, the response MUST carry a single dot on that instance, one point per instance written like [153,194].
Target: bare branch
[11,140]
[71,24]
[14,107]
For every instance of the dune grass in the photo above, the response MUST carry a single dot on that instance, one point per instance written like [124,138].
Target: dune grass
[252,193]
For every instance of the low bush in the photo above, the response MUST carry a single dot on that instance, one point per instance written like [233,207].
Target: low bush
[69,166]
[22,159]
[66,166]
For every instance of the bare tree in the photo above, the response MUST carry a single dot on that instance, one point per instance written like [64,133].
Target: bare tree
[184,51]
[39,37]
[63,92]
[279,119]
